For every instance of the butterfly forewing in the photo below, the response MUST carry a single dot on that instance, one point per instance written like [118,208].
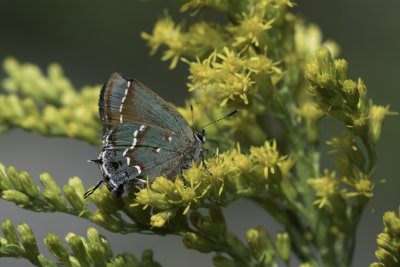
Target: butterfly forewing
[130,101]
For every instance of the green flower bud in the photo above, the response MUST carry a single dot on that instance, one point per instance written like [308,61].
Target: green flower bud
[194,241]
[220,261]
[76,183]
[9,232]
[261,245]
[13,175]
[107,247]
[392,223]
[78,249]
[106,202]
[195,217]
[326,82]
[391,245]
[107,221]
[30,105]
[55,200]
[376,117]
[351,93]
[12,250]
[237,246]
[386,258]
[57,248]
[93,235]
[206,226]
[376,264]
[3,242]
[51,116]
[76,200]
[218,220]
[341,67]
[5,182]
[325,62]
[96,252]
[49,183]
[29,187]
[147,259]
[312,73]
[283,247]
[343,164]
[28,241]
[136,212]
[15,196]
[125,259]
[16,108]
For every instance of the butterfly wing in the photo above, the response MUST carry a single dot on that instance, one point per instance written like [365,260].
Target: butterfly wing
[123,100]
[144,150]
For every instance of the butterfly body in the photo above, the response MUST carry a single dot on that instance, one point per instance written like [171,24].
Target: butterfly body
[143,137]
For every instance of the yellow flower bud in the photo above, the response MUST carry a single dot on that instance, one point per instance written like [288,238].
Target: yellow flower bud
[159,219]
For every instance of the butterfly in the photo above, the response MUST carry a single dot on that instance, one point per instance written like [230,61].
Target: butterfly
[143,137]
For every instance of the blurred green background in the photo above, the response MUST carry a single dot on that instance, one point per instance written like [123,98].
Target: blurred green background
[92,39]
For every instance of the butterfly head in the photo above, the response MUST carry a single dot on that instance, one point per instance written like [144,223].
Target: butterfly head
[200,137]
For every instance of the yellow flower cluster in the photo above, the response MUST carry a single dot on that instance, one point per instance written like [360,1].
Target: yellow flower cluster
[232,173]
[226,63]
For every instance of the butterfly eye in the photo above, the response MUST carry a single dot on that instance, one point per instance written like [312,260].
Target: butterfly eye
[116,165]
[201,137]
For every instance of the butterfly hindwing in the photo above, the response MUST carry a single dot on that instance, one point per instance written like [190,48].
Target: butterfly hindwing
[123,100]
[151,150]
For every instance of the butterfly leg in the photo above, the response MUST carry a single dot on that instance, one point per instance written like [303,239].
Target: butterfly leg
[202,159]
[183,179]
[91,191]
[210,151]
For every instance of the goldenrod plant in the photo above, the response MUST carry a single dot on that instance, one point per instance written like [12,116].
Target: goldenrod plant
[388,253]
[275,69]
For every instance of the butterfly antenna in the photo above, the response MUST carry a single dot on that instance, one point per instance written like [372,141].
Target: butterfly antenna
[230,114]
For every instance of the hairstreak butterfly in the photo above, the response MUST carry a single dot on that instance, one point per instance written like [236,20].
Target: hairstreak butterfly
[143,137]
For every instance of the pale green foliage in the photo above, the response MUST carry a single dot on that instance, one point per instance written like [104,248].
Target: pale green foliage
[95,251]
[264,61]
[49,104]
